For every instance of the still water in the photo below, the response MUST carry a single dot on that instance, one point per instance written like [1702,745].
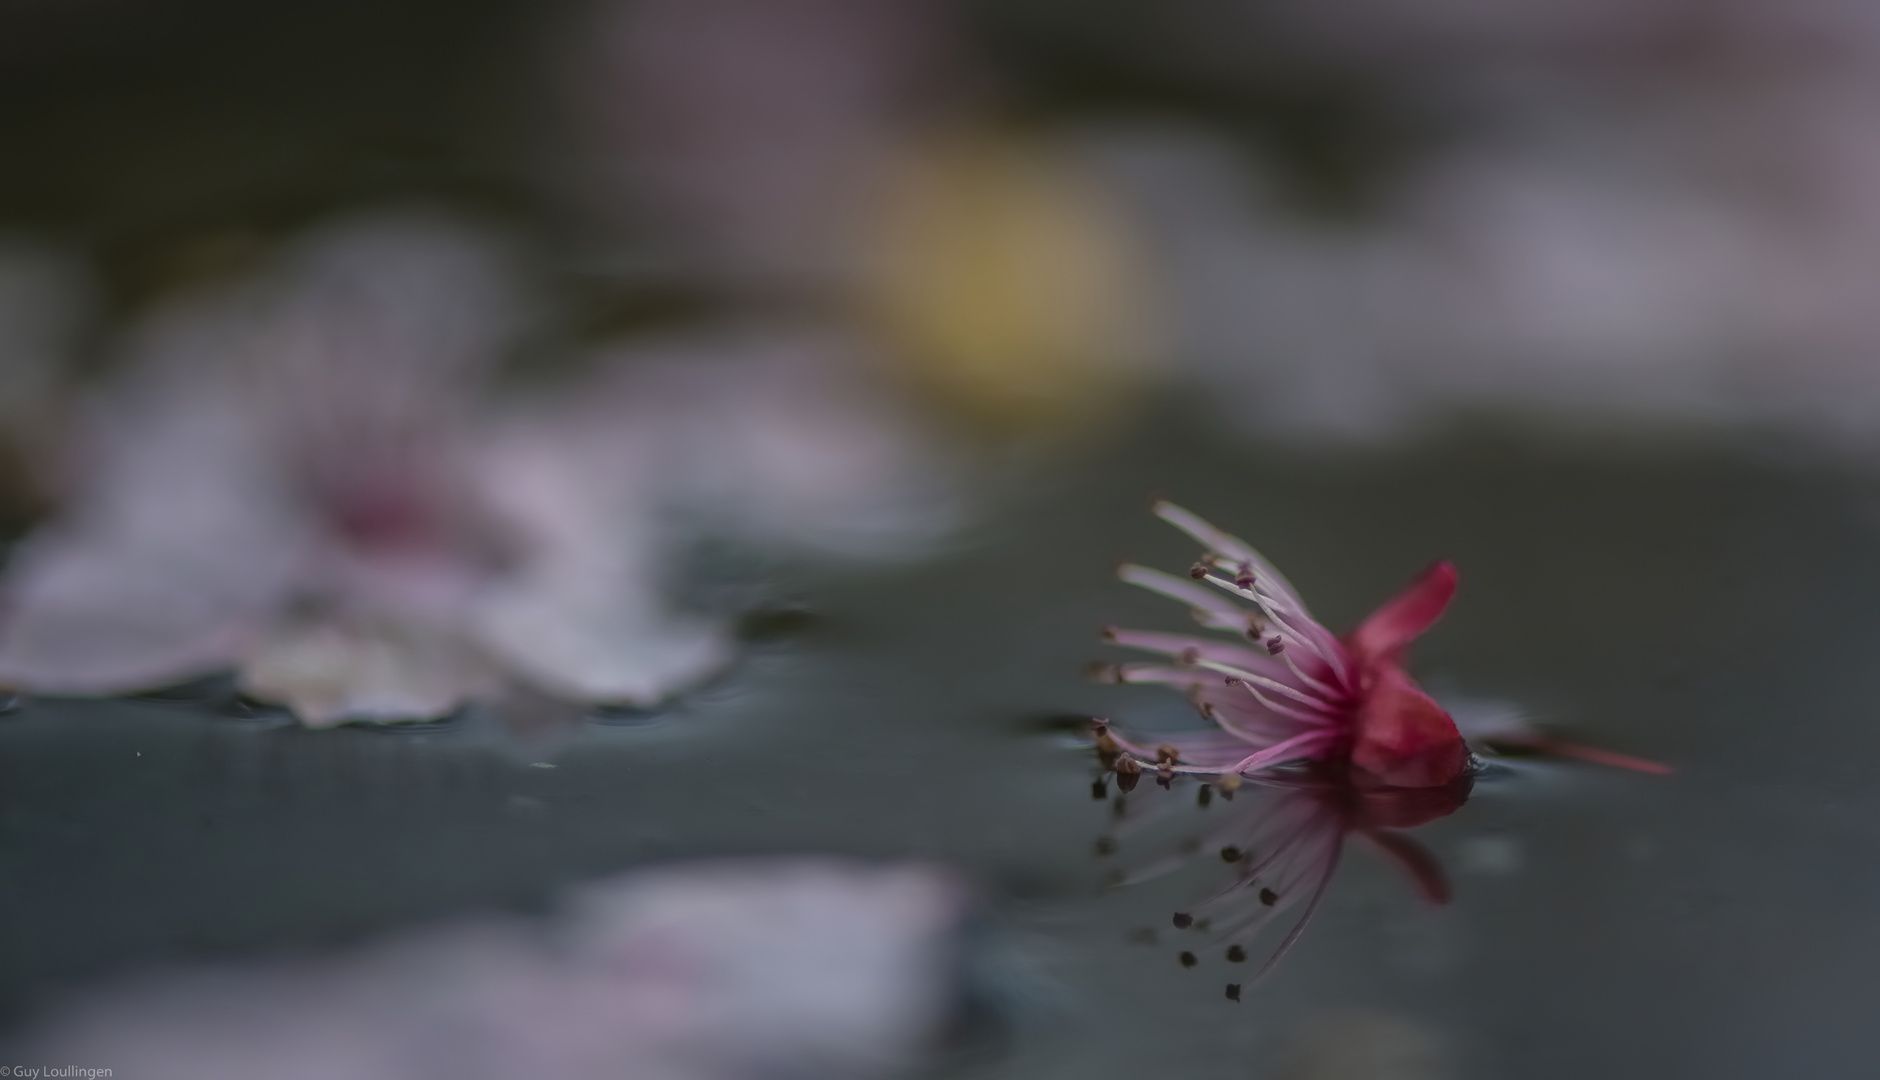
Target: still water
[1703,606]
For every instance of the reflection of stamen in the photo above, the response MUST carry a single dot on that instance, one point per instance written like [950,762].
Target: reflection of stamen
[1127,773]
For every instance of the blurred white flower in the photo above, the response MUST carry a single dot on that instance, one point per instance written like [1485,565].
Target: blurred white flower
[276,454]
[1662,261]
[717,971]
[310,479]
[765,434]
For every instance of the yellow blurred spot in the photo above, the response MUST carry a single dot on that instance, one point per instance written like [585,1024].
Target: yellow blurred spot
[1007,281]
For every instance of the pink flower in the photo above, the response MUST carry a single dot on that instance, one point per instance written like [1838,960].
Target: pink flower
[1303,693]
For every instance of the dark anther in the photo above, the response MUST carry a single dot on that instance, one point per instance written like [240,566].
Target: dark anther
[1183,920]
[1162,779]
[1274,645]
[1269,897]
[1244,579]
[1106,845]
[1198,571]
[1233,991]
[1204,796]
[1166,754]
[1188,959]
[1108,633]
[1230,854]
[1099,789]
[1190,656]
[1236,954]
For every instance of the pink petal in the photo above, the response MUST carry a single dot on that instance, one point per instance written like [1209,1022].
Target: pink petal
[1383,636]
[1404,738]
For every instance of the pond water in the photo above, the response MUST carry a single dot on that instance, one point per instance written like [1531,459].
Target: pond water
[1702,606]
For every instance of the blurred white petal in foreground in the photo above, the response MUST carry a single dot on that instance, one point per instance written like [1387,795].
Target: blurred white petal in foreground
[704,972]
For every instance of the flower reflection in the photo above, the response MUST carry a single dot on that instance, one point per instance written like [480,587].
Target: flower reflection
[1283,832]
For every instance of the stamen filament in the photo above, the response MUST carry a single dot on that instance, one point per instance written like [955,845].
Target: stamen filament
[1223,615]
[1290,711]
[1323,688]
[1249,677]
[1278,751]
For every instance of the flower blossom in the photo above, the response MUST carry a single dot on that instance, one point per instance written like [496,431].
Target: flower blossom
[1325,738]
[1302,693]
